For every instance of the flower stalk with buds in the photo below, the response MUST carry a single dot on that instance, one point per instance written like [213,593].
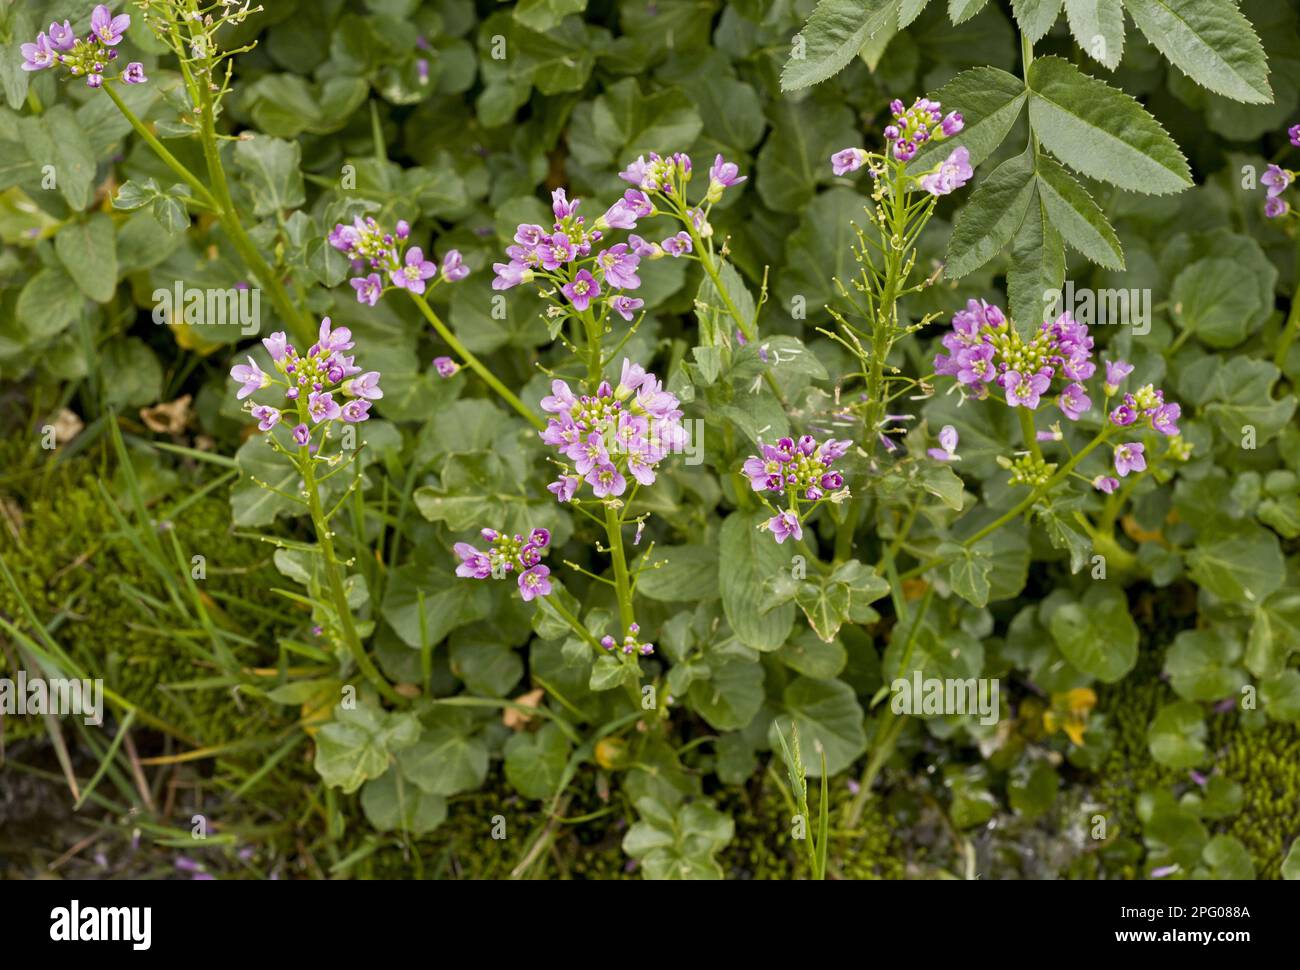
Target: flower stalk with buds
[319,393]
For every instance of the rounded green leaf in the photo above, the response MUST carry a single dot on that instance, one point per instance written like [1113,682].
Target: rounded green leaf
[1242,567]
[731,695]
[1202,665]
[748,557]
[1280,696]
[827,714]
[688,574]
[1176,736]
[88,250]
[534,763]
[1032,788]
[1291,864]
[1210,301]
[390,803]
[356,746]
[1227,858]
[1097,634]
[444,762]
[48,303]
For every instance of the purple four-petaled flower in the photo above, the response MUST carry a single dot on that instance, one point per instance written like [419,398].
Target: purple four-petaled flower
[952,174]
[414,271]
[106,27]
[582,290]
[1129,458]
[785,526]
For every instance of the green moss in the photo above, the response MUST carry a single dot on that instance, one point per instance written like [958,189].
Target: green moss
[764,848]
[1266,763]
[463,847]
[82,578]
[1128,770]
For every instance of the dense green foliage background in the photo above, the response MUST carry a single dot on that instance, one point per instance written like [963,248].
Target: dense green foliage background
[461,116]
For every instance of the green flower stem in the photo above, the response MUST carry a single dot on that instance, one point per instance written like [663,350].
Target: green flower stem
[1177,345]
[295,319]
[1115,501]
[222,205]
[844,531]
[1061,475]
[889,738]
[168,159]
[705,255]
[882,335]
[1029,433]
[739,483]
[1105,544]
[594,360]
[812,557]
[711,269]
[1292,325]
[1103,536]
[903,531]
[574,623]
[1026,59]
[474,364]
[622,583]
[552,602]
[333,574]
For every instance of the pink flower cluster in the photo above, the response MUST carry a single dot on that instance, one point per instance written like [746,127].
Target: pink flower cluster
[911,128]
[583,267]
[564,255]
[631,643]
[984,348]
[615,433]
[797,470]
[508,554]
[310,383]
[86,57]
[1146,405]
[391,264]
[1276,179]
[802,467]
[658,174]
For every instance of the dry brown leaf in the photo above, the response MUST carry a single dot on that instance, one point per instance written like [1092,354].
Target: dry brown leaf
[914,589]
[12,514]
[1137,533]
[168,418]
[67,426]
[517,720]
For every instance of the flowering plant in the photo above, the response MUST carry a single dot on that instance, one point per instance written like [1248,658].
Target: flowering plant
[798,472]
[88,56]
[612,436]
[319,393]
[590,281]
[508,554]
[615,434]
